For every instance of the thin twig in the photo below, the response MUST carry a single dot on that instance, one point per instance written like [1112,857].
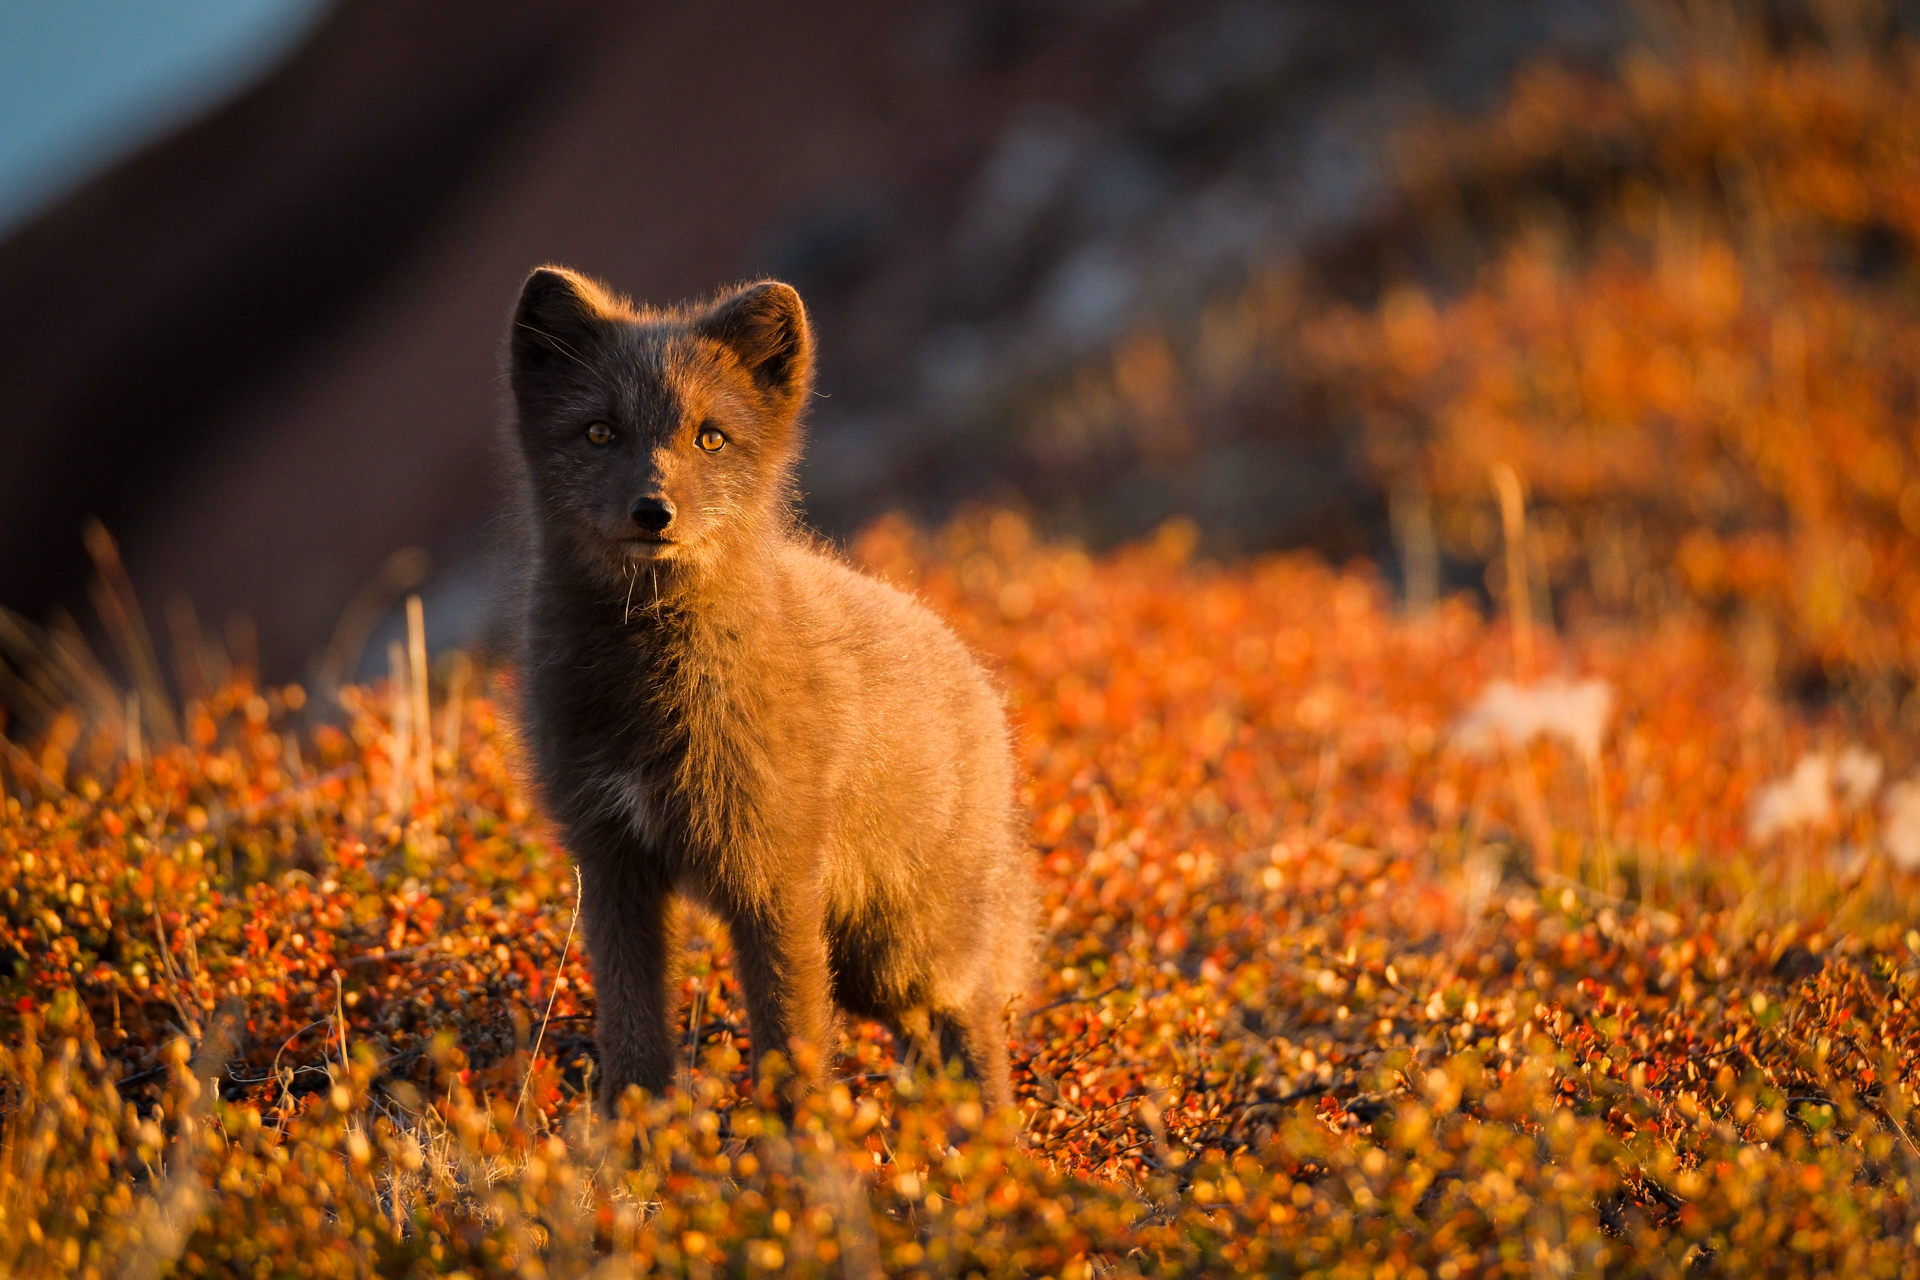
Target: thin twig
[248,812]
[29,767]
[340,1013]
[1062,1003]
[579,890]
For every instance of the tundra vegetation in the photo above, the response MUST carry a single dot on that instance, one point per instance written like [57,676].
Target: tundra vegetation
[1565,929]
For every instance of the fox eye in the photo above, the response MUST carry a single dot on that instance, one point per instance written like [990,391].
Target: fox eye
[710,439]
[600,433]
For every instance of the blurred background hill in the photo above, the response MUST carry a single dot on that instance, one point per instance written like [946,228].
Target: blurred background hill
[1269,264]
[262,349]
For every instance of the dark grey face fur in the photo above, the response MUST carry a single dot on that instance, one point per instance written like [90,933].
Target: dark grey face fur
[656,441]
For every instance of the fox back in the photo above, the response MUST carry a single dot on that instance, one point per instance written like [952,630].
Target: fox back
[717,707]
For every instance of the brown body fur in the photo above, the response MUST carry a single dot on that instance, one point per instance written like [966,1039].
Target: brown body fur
[718,708]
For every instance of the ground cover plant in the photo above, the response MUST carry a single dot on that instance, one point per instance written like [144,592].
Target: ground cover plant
[1568,927]
[1342,976]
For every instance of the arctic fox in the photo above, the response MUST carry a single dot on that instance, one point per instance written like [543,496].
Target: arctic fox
[716,706]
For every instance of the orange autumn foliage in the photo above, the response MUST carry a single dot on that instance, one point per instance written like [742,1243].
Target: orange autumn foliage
[1308,1004]
[1690,330]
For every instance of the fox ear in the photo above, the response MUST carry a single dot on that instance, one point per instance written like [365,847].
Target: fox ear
[554,325]
[765,326]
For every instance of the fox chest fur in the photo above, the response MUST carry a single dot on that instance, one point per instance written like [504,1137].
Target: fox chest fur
[717,707]
[721,745]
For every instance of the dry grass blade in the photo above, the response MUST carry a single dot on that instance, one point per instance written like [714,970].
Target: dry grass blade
[119,609]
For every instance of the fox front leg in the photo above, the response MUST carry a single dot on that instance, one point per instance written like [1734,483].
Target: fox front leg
[629,943]
[782,955]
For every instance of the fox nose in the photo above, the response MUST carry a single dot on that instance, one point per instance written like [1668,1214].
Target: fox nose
[651,514]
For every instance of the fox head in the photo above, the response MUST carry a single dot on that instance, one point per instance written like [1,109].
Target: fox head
[662,439]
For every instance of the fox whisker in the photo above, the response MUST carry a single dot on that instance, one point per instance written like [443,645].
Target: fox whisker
[559,346]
